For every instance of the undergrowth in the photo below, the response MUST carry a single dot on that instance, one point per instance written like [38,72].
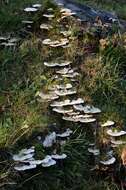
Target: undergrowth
[101,63]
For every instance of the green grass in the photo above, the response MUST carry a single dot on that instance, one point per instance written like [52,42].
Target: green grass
[22,73]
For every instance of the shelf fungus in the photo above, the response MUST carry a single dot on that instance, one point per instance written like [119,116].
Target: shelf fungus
[27,21]
[62,110]
[65,134]
[65,92]
[67,102]
[47,97]
[45,26]
[65,71]
[49,16]
[30,9]
[109,161]
[116,133]
[37,5]
[71,75]
[108,124]
[49,140]
[24,154]
[88,109]
[51,162]
[94,151]
[58,156]
[65,86]
[56,43]
[118,142]
[80,118]
[23,167]
[57,64]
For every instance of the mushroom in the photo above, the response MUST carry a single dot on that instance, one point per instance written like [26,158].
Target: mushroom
[71,75]
[24,154]
[59,157]
[108,124]
[56,64]
[88,109]
[47,97]
[65,92]
[62,110]
[36,5]
[67,133]
[67,102]
[66,86]
[50,16]
[65,71]
[23,167]
[45,26]
[30,9]
[49,140]
[115,133]
[27,21]
[108,162]
[51,162]
[94,151]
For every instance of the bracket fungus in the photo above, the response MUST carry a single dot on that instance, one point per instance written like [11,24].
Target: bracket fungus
[47,97]
[65,92]
[45,26]
[67,102]
[109,161]
[57,64]
[58,156]
[108,124]
[49,140]
[65,134]
[88,109]
[62,110]
[30,9]
[116,133]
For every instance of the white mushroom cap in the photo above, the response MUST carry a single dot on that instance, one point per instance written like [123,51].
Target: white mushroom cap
[108,124]
[67,133]
[65,92]
[109,162]
[62,110]
[48,15]
[78,107]
[30,9]
[50,163]
[115,133]
[59,157]
[27,21]
[65,71]
[21,157]
[55,64]
[37,5]
[45,26]
[118,142]
[87,120]
[50,96]
[27,151]
[67,102]
[91,110]
[25,167]
[94,151]
[49,140]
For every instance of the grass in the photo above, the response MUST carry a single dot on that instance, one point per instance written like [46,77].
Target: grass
[101,62]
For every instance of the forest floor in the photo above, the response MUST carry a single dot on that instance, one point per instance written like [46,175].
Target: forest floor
[98,53]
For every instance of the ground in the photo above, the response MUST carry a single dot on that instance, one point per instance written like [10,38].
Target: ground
[101,62]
